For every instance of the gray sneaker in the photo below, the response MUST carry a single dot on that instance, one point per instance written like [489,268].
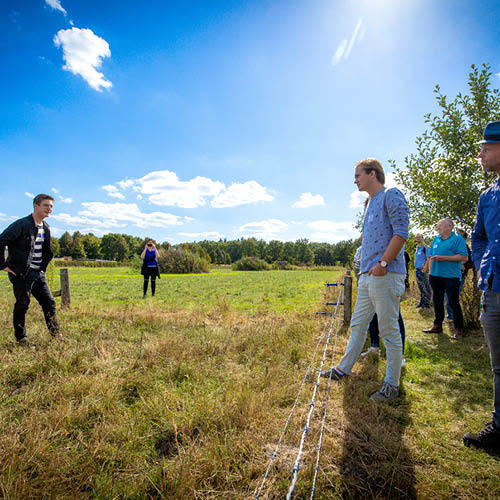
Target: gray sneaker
[385,394]
[333,374]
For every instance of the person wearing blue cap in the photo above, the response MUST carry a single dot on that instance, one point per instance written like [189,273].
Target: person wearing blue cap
[485,243]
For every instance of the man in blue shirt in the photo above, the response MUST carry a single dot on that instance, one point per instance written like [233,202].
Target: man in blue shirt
[486,257]
[448,252]
[421,253]
[382,280]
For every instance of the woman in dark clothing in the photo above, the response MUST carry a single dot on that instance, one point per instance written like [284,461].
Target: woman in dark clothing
[150,267]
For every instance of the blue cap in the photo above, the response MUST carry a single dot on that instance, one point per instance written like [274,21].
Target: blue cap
[491,133]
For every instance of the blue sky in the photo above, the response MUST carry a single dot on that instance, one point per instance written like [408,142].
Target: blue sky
[191,120]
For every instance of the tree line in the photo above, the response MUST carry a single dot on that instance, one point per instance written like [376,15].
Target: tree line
[124,247]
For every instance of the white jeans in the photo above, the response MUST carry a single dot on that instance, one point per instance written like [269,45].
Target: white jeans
[380,295]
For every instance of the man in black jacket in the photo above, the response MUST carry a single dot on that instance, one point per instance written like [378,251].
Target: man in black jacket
[29,253]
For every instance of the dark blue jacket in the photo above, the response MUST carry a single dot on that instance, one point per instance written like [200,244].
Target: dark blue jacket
[20,238]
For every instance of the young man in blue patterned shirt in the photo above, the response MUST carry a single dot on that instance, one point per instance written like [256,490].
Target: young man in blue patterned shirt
[382,281]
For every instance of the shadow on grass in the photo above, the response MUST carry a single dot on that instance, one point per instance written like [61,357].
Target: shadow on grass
[375,463]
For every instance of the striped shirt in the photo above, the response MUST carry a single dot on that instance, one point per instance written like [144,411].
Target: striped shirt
[36,261]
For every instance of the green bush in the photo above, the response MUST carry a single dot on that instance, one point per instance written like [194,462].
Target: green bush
[87,263]
[179,260]
[251,264]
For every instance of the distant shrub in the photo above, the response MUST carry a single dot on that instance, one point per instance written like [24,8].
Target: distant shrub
[179,260]
[87,263]
[282,265]
[251,264]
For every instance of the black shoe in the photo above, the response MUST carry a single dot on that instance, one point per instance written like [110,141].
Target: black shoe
[333,374]
[487,439]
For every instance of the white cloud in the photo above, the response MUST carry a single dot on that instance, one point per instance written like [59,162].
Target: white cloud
[65,200]
[241,194]
[390,181]
[332,232]
[358,199]
[164,188]
[118,213]
[29,195]
[54,190]
[309,200]
[265,229]
[86,223]
[56,5]
[209,235]
[189,219]
[113,191]
[83,52]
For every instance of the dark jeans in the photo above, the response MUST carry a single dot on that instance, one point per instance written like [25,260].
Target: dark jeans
[150,272]
[451,286]
[490,319]
[375,334]
[33,284]
[423,286]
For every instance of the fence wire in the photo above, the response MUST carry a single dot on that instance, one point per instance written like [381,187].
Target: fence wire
[296,467]
[331,321]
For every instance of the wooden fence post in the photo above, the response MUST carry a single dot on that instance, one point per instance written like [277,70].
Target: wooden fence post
[347,298]
[65,295]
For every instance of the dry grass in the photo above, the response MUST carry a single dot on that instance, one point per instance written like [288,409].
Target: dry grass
[143,403]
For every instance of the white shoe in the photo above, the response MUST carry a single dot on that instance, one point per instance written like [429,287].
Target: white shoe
[403,362]
[374,350]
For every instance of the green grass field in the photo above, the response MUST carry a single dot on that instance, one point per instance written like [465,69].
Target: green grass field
[183,396]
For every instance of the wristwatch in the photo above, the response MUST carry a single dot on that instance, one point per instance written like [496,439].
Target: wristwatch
[382,263]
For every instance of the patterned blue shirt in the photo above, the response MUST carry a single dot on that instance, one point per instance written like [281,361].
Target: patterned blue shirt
[387,215]
[485,238]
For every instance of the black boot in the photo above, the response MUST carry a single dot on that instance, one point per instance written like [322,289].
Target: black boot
[153,287]
[487,439]
[145,289]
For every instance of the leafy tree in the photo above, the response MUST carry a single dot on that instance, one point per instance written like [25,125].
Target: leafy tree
[274,251]
[92,246]
[114,247]
[77,249]
[443,178]
[54,245]
[303,251]
[65,243]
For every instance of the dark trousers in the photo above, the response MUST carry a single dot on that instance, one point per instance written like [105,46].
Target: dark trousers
[490,319]
[150,272]
[375,334]
[451,286]
[33,284]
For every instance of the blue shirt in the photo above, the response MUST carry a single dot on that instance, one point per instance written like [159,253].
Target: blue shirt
[485,238]
[421,254]
[150,258]
[387,215]
[453,245]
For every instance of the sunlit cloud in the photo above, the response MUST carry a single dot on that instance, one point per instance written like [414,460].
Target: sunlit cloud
[83,52]
[209,235]
[332,232]
[309,200]
[113,191]
[241,194]
[54,190]
[164,188]
[29,195]
[56,5]
[265,229]
[117,213]
[65,200]
[357,199]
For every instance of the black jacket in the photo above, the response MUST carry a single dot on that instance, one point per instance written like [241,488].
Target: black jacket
[20,238]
